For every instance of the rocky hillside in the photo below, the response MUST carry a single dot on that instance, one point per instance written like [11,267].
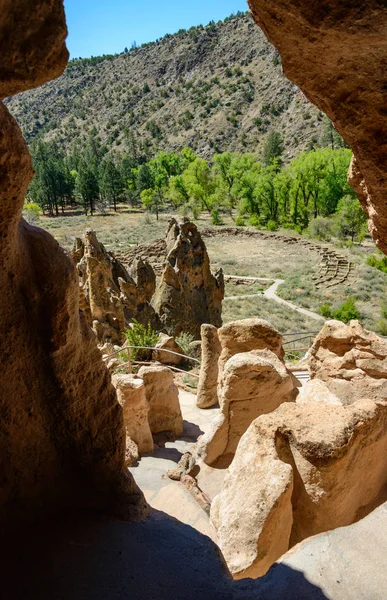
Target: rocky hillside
[212,88]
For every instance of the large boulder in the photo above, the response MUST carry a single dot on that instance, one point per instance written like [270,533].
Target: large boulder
[298,471]
[246,335]
[207,394]
[62,435]
[163,398]
[112,295]
[316,40]
[350,361]
[188,294]
[252,384]
[131,396]
[168,351]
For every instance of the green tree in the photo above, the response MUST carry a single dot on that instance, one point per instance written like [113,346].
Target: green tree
[87,187]
[350,218]
[200,184]
[111,183]
[273,147]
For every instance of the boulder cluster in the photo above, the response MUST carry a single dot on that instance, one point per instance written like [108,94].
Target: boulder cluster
[300,461]
[150,403]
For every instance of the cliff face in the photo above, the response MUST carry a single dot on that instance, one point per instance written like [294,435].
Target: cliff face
[336,53]
[62,437]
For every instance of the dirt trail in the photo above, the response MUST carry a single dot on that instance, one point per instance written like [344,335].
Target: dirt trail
[271,294]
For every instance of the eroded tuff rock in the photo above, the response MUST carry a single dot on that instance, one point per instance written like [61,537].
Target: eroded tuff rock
[111,296]
[252,384]
[218,346]
[132,398]
[336,52]
[188,294]
[350,361]
[62,436]
[163,398]
[298,471]
[246,335]
[207,395]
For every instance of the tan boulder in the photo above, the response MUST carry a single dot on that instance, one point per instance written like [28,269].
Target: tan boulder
[252,384]
[351,361]
[167,342]
[188,294]
[207,395]
[131,396]
[62,436]
[298,471]
[163,398]
[246,335]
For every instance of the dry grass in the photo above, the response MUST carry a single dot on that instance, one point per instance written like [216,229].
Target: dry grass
[115,230]
[283,318]
[244,256]
[237,289]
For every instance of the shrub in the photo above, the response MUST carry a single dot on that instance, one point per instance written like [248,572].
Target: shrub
[326,311]
[381,326]
[240,222]
[321,228]
[378,263]
[191,381]
[215,217]
[272,226]
[184,340]
[255,221]
[31,212]
[347,311]
[141,335]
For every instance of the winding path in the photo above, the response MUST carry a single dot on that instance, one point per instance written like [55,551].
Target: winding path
[271,294]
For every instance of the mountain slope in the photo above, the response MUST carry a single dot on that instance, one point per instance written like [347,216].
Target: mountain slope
[213,88]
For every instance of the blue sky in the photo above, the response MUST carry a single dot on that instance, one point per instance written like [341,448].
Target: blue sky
[105,27]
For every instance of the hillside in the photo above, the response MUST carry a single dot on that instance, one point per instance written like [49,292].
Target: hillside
[212,88]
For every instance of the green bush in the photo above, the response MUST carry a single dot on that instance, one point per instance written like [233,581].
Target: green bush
[240,222]
[383,310]
[321,228]
[141,335]
[215,217]
[184,340]
[381,326]
[347,311]
[31,212]
[272,226]
[378,263]
[255,221]
[326,311]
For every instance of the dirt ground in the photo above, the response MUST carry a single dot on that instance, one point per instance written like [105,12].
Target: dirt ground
[245,256]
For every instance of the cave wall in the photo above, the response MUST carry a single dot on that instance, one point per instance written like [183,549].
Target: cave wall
[62,437]
[336,52]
